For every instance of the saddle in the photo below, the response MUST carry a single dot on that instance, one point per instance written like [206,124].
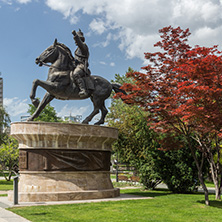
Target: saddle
[89,82]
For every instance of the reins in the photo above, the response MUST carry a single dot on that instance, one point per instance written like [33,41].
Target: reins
[50,66]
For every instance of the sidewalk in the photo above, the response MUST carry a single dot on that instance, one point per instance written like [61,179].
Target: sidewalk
[7,216]
[4,203]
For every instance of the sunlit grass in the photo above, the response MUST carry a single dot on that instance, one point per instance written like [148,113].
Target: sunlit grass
[6,185]
[164,206]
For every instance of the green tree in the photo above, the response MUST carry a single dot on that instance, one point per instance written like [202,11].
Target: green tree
[181,89]
[137,145]
[9,154]
[178,170]
[4,124]
[47,115]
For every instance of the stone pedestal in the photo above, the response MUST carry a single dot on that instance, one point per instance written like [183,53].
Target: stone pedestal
[60,161]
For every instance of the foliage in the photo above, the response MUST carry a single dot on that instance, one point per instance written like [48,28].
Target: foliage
[137,145]
[181,90]
[178,170]
[4,124]
[135,142]
[6,185]
[160,206]
[149,176]
[48,114]
[9,154]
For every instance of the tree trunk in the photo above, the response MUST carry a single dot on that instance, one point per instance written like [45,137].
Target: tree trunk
[216,180]
[217,193]
[200,174]
[216,169]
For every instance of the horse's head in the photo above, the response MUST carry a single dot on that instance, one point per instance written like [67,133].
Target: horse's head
[59,53]
[49,55]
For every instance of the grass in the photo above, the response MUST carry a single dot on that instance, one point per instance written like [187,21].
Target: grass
[112,176]
[164,207]
[6,185]
[2,175]
[125,184]
[209,184]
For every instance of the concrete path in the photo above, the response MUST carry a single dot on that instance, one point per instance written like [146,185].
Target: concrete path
[8,216]
[4,203]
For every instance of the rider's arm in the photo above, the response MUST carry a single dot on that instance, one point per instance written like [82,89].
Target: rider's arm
[79,42]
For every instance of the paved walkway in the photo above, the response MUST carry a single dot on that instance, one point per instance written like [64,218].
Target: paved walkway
[8,216]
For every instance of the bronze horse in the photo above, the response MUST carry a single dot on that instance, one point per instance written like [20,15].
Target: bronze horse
[60,86]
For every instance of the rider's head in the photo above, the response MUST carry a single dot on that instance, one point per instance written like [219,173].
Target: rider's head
[81,36]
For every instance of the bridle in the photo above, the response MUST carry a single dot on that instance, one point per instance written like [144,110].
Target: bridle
[50,66]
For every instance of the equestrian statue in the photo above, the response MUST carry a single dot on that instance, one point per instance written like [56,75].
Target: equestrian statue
[69,78]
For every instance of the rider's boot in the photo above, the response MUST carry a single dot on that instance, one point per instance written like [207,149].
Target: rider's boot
[82,88]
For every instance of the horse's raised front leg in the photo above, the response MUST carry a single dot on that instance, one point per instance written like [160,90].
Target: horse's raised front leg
[46,99]
[48,86]
[35,101]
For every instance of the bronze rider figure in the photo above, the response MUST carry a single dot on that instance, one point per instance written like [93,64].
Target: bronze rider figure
[81,61]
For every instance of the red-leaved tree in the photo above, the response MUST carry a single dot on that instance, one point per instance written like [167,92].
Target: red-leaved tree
[181,90]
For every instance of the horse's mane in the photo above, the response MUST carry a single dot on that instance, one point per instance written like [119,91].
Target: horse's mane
[69,53]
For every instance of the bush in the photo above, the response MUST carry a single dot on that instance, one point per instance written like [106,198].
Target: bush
[9,155]
[178,170]
[148,175]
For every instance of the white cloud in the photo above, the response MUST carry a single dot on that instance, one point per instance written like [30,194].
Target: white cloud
[112,64]
[24,1]
[73,111]
[198,11]
[15,106]
[8,2]
[136,23]
[105,43]
[98,26]
[206,36]
[102,63]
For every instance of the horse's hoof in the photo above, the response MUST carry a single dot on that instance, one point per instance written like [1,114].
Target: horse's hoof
[85,122]
[98,123]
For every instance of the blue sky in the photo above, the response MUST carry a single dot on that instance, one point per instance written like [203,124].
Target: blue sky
[117,33]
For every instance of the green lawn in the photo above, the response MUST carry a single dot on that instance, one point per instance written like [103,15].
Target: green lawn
[164,207]
[6,185]
[209,184]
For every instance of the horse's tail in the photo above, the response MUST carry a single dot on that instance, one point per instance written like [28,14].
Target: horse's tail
[117,88]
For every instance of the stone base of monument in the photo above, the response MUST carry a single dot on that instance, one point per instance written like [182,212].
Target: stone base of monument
[61,162]
[63,186]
